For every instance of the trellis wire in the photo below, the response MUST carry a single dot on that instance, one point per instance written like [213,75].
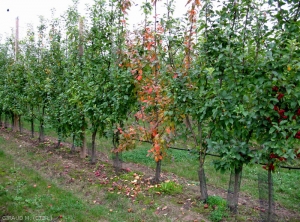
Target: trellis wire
[215,155]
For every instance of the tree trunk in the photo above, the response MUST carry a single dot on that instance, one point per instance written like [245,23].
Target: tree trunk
[58,143]
[58,137]
[20,124]
[32,123]
[83,148]
[41,132]
[266,196]
[73,144]
[271,208]
[201,172]
[234,188]
[6,121]
[117,162]
[32,127]
[203,187]
[12,120]
[0,118]
[156,179]
[41,128]
[93,154]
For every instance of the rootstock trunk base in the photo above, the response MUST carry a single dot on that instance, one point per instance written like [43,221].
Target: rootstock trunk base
[156,179]
[32,128]
[117,162]
[59,136]
[83,148]
[58,144]
[203,187]
[20,124]
[93,153]
[6,121]
[73,145]
[234,189]
[117,156]
[41,133]
[41,128]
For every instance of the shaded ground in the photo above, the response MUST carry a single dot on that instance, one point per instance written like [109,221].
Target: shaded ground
[92,182]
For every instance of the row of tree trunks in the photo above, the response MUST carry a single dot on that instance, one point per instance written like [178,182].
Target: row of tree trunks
[265,182]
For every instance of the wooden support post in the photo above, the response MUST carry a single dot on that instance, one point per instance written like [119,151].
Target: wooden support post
[15,115]
[17,38]
[83,151]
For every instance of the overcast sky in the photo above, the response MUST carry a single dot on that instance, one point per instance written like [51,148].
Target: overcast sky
[29,10]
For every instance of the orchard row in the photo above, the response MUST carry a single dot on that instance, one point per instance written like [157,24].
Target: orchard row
[224,77]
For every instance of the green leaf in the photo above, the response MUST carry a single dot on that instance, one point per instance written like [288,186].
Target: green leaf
[272,130]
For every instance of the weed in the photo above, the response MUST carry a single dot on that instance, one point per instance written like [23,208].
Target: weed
[111,197]
[216,201]
[34,202]
[13,170]
[76,173]
[3,191]
[2,172]
[219,208]
[127,176]
[168,187]
[141,198]
[217,215]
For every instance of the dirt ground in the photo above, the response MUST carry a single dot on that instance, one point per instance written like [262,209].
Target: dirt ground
[77,175]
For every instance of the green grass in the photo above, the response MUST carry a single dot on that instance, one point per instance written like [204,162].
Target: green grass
[24,193]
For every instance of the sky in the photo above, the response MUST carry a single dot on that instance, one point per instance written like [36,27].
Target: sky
[28,11]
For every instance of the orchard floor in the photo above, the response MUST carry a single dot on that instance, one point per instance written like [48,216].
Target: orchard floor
[99,185]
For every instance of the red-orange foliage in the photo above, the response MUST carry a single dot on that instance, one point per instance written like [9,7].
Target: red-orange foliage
[144,61]
[143,57]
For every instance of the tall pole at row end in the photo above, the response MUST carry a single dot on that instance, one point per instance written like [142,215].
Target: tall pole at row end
[17,38]
[15,115]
